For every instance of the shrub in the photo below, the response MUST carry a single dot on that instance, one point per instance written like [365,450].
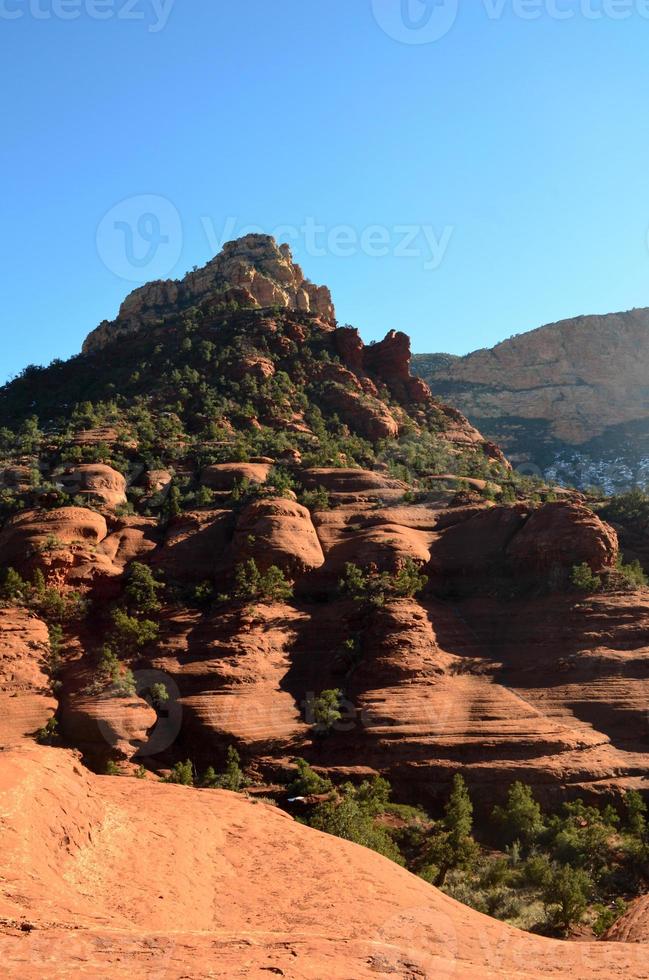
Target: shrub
[584,579]
[629,577]
[607,916]
[325,710]
[48,733]
[253,585]
[13,586]
[182,773]
[55,633]
[317,499]
[141,590]
[307,782]
[159,695]
[566,895]
[348,817]
[113,672]
[375,588]
[131,634]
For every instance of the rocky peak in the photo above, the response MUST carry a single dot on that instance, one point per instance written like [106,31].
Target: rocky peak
[254,270]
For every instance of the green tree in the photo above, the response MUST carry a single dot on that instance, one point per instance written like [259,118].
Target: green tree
[376,588]
[567,894]
[325,710]
[520,819]
[141,590]
[131,634]
[253,585]
[231,778]
[307,782]
[636,813]
[348,816]
[452,845]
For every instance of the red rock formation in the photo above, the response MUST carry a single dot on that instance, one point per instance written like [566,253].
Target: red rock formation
[278,532]
[147,852]
[196,546]
[224,476]
[94,480]
[255,269]
[563,535]
[26,699]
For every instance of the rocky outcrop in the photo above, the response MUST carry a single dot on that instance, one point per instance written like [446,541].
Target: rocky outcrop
[569,397]
[94,480]
[563,535]
[479,546]
[62,543]
[278,532]
[633,926]
[225,476]
[255,270]
[148,852]
[196,546]
[26,699]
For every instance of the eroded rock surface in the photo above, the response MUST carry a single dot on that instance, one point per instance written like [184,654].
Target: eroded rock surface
[147,853]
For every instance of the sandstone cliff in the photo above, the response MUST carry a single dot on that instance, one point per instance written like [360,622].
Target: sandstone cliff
[571,397]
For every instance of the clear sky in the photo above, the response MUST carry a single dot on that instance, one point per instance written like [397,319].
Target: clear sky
[459,171]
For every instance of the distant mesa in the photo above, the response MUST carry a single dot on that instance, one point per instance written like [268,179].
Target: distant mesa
[572,397]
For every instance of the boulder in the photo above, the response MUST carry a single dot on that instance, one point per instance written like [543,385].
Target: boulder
[278,532]
[562,535]
[94,480]
[224,476]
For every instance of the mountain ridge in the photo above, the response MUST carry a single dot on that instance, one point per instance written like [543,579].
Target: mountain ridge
[569,398]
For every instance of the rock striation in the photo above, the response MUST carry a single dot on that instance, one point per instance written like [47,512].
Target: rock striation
[569,397]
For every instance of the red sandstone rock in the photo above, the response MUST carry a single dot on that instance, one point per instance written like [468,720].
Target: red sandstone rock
[26,700]
[94,480]
[147,852]
[563,535]
[62,543]
[278,532]
[224,476]
[197,546]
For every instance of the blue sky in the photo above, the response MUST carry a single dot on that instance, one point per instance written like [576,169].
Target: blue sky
[461,187]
